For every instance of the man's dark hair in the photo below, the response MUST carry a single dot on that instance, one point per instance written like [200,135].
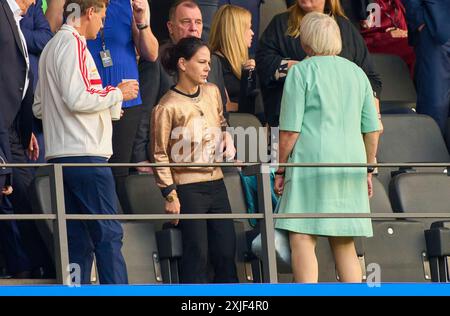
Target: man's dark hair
[84,5]
[188,3]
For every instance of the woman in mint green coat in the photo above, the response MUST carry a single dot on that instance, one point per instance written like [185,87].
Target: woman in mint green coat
[327,116]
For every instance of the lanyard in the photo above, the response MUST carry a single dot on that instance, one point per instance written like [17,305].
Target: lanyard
[102,35]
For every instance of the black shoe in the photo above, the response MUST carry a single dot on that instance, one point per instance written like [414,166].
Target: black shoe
[4,274]
[22,275]
[42,273]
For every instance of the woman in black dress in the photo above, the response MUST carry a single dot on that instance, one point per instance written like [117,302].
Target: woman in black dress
[280,48]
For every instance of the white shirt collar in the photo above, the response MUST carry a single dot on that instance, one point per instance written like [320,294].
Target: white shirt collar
[15,8]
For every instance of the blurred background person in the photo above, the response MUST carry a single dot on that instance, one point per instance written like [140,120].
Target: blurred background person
[429,30]
[327,116]
[18,142]
[233,52]
[126,32]
[185,20]
[390,36]
[193,105]
[253,6]
[76,112]
[54,14]
[279,49]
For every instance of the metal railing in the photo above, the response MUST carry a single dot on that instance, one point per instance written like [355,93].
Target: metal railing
[266,215]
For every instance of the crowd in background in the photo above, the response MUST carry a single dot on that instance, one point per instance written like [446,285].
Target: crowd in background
[112,84]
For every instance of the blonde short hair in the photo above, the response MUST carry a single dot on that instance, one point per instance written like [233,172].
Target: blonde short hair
[320,34]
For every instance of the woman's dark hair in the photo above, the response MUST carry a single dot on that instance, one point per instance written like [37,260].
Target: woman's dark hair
[186,48]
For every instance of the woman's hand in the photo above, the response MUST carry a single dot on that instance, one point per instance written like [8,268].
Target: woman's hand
[397,33]
[249,64]
[279,184]
[228,149]
[369,185]
[173,208]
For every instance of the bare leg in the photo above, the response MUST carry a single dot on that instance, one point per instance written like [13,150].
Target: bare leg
[346,259]
[304,260]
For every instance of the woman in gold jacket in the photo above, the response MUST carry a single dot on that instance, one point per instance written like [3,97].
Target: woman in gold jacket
[188,126]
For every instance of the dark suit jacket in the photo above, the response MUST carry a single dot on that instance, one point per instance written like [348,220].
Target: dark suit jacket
[15,112]
[433,13]
[37,33]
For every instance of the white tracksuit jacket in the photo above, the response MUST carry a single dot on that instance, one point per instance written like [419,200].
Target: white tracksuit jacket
[71,101]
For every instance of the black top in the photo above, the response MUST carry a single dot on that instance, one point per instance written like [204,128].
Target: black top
[275,46]
[196,94]
[232,83]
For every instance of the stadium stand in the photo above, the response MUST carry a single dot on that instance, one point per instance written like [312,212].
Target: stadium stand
[397,247]
[139,243]
[410,138]
[268,10]
[252,126]
[145,198]
[421,192]
[399,94]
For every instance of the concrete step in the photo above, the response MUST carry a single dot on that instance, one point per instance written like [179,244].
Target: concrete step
[27,281]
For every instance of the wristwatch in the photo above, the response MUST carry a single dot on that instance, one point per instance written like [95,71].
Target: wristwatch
[170,198]
[370,169]
[141,26]
[280,173]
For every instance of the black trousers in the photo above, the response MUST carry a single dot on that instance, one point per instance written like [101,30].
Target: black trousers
[207,241]
[24,247]
[124,134]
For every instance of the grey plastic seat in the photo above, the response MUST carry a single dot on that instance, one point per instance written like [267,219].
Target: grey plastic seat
[398,252]
[268,10]
[250,138]
[379,203]
[421,192]
[398,88]
[427,193]
[139,244]
[410,138]
[145,198]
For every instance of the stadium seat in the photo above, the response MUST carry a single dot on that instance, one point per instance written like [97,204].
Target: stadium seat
[379,203]
[447,136]
[268,10]
[438,246]
[145,198]
[421,192]
[139,246]
[397,247]
[428,193]
[399,94]
[410,138]
[397,252]
[253,147]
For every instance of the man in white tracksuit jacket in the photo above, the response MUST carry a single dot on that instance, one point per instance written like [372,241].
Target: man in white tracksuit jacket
[76,114]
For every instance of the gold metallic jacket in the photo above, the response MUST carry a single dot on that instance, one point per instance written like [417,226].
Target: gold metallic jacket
[186,130]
